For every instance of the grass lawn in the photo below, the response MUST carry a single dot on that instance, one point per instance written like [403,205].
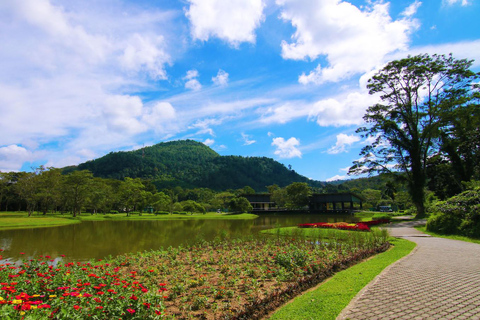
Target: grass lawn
[150,216]
[21,220]
[328,299]
[453,237]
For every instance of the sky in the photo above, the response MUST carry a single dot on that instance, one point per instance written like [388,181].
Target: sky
[284,79]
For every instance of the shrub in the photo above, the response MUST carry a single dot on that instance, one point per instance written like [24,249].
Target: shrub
[458,215]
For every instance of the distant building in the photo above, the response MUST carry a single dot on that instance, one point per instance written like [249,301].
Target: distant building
[319,202]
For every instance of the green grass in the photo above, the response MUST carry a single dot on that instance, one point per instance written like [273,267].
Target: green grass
[330,298]
[21,220]
[453,237]
[149,216]
[316,233]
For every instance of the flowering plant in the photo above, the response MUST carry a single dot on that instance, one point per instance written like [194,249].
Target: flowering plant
[38,288]
[359,226]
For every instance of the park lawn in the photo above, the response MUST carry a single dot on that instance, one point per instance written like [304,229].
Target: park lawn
[150,216]
[21,220]
[452,237]
[332,296]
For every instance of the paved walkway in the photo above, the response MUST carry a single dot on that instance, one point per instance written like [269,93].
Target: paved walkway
[440,279]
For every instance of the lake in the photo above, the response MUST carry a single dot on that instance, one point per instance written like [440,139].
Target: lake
[99,239]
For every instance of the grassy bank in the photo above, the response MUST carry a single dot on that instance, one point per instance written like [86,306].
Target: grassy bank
[149,216]
[331,297]
[21,220]
[453,237]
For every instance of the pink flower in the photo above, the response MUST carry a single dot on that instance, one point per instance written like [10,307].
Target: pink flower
[131,311]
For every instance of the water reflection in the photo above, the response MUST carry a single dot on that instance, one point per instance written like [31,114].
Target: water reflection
[99,239]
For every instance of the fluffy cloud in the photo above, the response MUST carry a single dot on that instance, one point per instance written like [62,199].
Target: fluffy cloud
[192,82]
[12,157]
[343,141]
[353,40]
[69,72]
[145,53]
[209,142]
[287,148]
[343,110]
[159,116]
[122,113]
[221,79]
[234,21]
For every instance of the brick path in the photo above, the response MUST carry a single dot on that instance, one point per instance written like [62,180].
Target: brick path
[440,279]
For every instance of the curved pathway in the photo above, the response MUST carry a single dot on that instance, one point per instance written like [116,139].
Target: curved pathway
[440,279]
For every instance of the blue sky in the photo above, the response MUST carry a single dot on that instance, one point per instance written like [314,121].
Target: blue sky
[278,78]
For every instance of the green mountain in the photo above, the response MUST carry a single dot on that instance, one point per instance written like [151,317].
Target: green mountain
[192,164]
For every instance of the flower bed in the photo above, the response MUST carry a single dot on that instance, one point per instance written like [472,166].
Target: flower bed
[36,289]
[359,226]
[241,279]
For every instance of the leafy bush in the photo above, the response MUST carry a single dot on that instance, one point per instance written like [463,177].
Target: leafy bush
[161,212]
[457,215]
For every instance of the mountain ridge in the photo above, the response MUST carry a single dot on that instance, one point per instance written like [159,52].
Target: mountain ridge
[192,164]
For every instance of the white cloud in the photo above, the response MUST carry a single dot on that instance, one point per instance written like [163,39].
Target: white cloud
[12,157]
[337,177]
[192,82]
[452,2]
[159,116]
[343,141]
[145,53]
[411,10]
[287,149]
[353,40]
[209,142]
[204,126]
[70,73]
[221,79]
[246,140]
[122,114]
[233,21]
[346,109]
[285,112]
[191,74]
[460,50]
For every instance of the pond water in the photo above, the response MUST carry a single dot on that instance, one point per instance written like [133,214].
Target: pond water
[99,239]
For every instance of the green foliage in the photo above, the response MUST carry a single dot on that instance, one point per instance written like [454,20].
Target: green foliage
[240,204]
[417,94]
[192,164]
[297,195]
[457,215]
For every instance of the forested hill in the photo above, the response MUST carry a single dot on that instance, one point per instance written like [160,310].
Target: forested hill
[191,164]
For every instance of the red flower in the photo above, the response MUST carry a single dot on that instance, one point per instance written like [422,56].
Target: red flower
[133,297]
[132,311]
[77,307]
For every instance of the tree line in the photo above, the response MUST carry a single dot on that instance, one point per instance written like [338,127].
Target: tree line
[49,190]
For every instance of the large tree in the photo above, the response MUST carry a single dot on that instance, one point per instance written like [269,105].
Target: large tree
[405,125]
